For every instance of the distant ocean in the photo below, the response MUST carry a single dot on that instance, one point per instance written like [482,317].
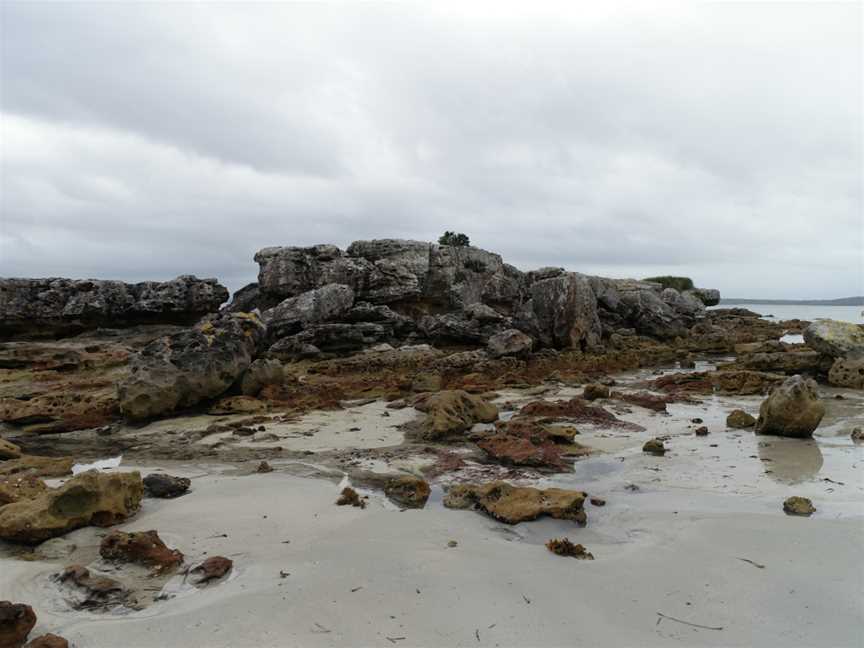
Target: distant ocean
[804,312]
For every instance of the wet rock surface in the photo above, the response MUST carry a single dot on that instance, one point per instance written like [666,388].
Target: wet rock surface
[834,338]
[165,486]
[407,491]
[739,420]
[211,569]
[796,505]
[87,499]
[48,641]
[453,412]
[86,591]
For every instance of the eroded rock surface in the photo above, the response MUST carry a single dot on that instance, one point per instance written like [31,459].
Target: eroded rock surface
[793,409]
[407,491]
[16,622]
[91,498]
[514,504]
[453,412]
[834,338]
[140,547]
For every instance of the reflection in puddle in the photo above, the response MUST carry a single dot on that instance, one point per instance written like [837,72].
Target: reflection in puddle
[790,461]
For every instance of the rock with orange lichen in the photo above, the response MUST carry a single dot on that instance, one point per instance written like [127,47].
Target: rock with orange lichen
[88,499]
[453,412]
[514,504]
[407,491]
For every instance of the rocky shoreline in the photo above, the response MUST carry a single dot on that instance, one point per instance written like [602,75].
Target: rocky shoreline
[414,375]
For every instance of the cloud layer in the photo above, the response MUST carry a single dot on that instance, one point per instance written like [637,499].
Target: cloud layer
[720,141]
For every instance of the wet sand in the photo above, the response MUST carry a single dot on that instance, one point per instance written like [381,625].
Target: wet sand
[703,542]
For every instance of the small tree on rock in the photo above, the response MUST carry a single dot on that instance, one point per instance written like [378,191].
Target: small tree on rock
[455,239]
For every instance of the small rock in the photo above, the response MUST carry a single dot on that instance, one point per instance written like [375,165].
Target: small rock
[264,467]
[48,641]
[594,391]
[407,491]
[792,410]
[213,568]
[452,543]
[739,419]
[654,447]
[799,506]
[702,431]
[165,486]
[696,420]
[349,496]
[564,547]
[90,592]
[16,622]
[598,501]
[9,450]
[857,435]
[141,547]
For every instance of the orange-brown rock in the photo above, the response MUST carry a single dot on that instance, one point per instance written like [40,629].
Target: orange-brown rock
[91,498]
[48,641]
[452,412]
[20,487]
[514,504]
[140,547]
[39,466]
[16,622]
[8,450]
[213,568]
[407,491]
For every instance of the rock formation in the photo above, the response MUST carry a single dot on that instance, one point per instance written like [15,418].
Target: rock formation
[793,409]
[52,307]
[514,504]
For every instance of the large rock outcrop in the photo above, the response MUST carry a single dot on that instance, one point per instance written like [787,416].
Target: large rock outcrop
[91,498]
[197,364]
[54,307]
[793,409]
[565,309]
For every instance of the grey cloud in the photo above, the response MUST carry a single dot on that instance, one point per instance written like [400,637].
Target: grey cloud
[720,140]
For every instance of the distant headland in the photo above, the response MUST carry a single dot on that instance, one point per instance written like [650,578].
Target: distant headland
[843,301]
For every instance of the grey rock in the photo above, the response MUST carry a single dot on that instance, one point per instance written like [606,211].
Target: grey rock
[847,372]
[511,342]
[708,296]
[52,307]
[834,338]
[566,311]
[183,369]
[290,271]
[793,409]
[261,372]
[165,486]
[311,307]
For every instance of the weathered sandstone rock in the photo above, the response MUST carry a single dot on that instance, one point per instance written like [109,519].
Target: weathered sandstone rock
[165,486]
[511,342]
[453,412]
[91,498]
[514,504]
[186,368]
[793,409]
[140,547]
[8,450]
[847,372]
[311,307]
[739,419]
[834,338]
[39,466]
[407,491]
[16,622]
[20,487]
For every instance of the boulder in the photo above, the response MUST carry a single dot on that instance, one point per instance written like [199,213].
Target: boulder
[834,338]
[511,342]
[739,419]
[311,307]
[140,547]
[512,450]
[91,498]
[847,372]
[289,271]
[654,447]
[793,409]
[407,491]
[16,622]
[565,308]
[54,307]
[641,306]
[453,412]
[785,362]
[8,450]
[183,369]
[261,372]
[513,504]
[36,465]
[165,486]
[687,305]
[708,296]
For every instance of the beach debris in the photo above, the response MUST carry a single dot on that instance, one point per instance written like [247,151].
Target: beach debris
[89,592]
[100,464]
[349,496]
[739,419]
[91,498]
[593,391]
[165,486]
[793,409]
[452,544]
[754,563]
[633,488]
[702,431]
[696,420]
[598,501]
[140,547]
[213,568]
[48,640]
[563,547]
[408,491]
[796,505]
[8,450]
[514,504]
[661,616]
[16,622]
[654,447]
[264,467]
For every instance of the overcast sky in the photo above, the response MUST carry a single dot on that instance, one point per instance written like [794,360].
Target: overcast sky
[721,141]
